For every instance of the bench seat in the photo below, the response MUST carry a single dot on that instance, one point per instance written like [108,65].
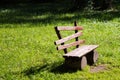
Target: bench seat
[81,51]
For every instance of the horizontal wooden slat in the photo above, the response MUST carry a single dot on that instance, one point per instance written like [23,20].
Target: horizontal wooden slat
[59,36]
[68,38]
[69,28]
[78,52]
[69,45]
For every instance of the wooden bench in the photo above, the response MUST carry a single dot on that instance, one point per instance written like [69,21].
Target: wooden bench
[82,55]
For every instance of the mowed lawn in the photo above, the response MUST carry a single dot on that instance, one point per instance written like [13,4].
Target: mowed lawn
[27,50]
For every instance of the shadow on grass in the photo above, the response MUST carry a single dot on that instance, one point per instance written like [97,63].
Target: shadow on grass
[47,13]
[34,70]
[56,68]
[44,13]
[60,69]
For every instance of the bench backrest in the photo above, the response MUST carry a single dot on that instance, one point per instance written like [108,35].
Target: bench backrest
[60,43]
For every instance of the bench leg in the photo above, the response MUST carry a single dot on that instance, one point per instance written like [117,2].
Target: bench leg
[76,63]
[92,57]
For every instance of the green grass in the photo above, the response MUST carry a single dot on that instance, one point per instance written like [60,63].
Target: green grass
[27,50]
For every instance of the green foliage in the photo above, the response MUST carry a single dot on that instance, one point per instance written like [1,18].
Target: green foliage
[27,51]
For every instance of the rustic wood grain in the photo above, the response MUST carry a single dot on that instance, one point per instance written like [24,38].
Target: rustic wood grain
[67,28]
[59,36]
[68,38]
[70,44]
[83,62]
[82,50]
[75,62]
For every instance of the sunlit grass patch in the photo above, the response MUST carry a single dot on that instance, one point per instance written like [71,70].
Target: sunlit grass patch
[27,49]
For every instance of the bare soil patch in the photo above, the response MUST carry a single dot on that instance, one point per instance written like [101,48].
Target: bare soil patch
[98,68]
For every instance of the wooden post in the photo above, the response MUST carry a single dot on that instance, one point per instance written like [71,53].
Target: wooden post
[75,24]
[92,57]
[59,36]
[75,62]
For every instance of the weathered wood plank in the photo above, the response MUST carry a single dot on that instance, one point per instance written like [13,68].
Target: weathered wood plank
[69,45]
[78,52]
[59,37]
[62,28]
[68,38]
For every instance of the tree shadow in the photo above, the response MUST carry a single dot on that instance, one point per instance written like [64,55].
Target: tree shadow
[47,13]
[57,68]
[60,69]
[34,70]
[29,13]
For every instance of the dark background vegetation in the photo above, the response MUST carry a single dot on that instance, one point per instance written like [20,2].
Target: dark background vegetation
[22,11]
[76,4]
